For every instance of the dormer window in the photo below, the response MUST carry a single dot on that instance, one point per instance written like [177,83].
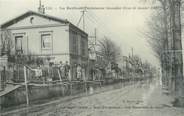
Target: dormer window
[31,20]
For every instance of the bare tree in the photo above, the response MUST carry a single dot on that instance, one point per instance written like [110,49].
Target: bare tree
[171,14]
[155,35]
[110,51]
[158,37]
[6,42]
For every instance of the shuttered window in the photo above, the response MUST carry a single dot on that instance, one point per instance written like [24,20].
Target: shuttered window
[46,41]
[18,43]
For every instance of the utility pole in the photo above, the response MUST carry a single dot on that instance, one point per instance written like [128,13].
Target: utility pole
[93,42]
[132,49]
[133,76]
[92,46]
[83,13]
[26,86]
[94,37]
[82,18]
[41,8]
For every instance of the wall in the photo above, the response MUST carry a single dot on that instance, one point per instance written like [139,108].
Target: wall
[78,58]
[32,39]
[36,21]
[32,31]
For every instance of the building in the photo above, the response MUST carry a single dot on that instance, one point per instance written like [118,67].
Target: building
[42,35]
[97,63]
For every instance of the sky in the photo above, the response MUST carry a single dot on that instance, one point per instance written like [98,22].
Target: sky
[123,21]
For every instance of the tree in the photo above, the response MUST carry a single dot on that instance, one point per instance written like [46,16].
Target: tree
[160,38]
[6,42]
[177,47]
[172,11]
[110,51]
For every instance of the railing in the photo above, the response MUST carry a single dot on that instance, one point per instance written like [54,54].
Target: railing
[19,74]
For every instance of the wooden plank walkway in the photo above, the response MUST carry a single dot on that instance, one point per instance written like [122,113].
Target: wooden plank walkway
[9,88]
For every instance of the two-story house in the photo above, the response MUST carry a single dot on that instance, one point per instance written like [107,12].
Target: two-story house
[42,35]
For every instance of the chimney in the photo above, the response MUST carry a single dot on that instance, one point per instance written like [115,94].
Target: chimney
[41,8]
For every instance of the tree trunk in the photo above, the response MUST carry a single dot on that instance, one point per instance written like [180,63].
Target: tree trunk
[177,47]
[166,43]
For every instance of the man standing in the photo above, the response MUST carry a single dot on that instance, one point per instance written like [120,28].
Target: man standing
[50,71]
[79,72]
[67,70]
[75,71]
[62,70]
[83,73]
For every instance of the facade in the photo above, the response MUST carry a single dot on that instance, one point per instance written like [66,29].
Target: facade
[42,35]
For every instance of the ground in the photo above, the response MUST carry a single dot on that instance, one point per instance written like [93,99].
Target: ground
[140,99]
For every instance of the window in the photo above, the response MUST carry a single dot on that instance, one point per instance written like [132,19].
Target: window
[18,43]
[31,20]
[83,46]
[46,41]
[75,43]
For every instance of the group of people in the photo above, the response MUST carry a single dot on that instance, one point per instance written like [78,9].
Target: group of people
[79,72]
[61,72]
[97,73]
[110,71]
[52,72]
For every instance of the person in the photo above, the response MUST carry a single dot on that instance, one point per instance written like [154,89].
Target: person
[100,73]
[79,72]
[38,72]
[103,73]
[55,73]
[83,73]
[67,69]
[92,74]
[62,70]
[113,74]
[108,70]
[50,71]
[44,74]
[41,73]
[75,71]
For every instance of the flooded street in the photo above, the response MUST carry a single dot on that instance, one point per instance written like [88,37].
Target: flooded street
[133,100]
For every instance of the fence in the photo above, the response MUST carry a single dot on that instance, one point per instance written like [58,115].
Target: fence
[45,74]
[37,88]
[2,78]
[15,73]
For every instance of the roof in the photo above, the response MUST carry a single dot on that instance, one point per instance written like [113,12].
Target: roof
[28,13]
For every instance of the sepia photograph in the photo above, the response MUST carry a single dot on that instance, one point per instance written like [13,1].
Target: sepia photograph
[91,58]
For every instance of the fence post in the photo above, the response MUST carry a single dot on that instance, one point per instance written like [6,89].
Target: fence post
[1,81]
[59,75]
[26,86]
[4,77]
[71,92]
[85,87]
